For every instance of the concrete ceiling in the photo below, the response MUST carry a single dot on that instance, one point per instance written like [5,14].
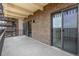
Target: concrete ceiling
[21,10]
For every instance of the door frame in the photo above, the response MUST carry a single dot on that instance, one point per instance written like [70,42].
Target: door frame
[25,28]
[29,22]
[61,11]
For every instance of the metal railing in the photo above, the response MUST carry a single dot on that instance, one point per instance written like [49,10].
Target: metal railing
[2,37]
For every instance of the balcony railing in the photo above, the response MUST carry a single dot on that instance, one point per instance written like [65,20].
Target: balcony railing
[2,37]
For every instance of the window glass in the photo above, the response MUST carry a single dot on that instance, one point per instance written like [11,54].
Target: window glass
[57,24]
[70,30]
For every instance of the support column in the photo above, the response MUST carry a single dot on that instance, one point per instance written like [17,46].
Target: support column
[20,23]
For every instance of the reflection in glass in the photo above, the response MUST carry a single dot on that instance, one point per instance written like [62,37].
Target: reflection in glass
[70,30]
[57,24]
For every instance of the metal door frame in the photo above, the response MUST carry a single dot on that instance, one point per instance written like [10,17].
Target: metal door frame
[76,7]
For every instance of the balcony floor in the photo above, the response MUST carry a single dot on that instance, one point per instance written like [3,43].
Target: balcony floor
[25,46]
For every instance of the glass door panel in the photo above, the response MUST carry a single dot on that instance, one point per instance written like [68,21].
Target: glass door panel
[70,30]
[25,28]
[57,25]
[29,29]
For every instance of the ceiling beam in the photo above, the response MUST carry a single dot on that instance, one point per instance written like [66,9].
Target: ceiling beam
[18,8]
[8,11]
[13,16]
[16,11]
[39,5]
[21,10]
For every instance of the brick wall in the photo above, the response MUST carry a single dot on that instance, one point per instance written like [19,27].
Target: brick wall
[41,29]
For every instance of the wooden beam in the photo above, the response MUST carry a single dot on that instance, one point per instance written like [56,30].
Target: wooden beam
[13,16]
[8,11]
[39,5]
[18,7]
[15,10]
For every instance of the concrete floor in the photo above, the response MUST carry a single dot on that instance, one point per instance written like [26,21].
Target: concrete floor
[25,46]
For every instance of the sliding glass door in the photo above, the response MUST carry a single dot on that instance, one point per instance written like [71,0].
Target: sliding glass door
[70,30]
[29,29]
[57,25]
[65,30]
[25,28]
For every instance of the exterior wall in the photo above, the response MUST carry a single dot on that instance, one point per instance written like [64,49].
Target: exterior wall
[41,29]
